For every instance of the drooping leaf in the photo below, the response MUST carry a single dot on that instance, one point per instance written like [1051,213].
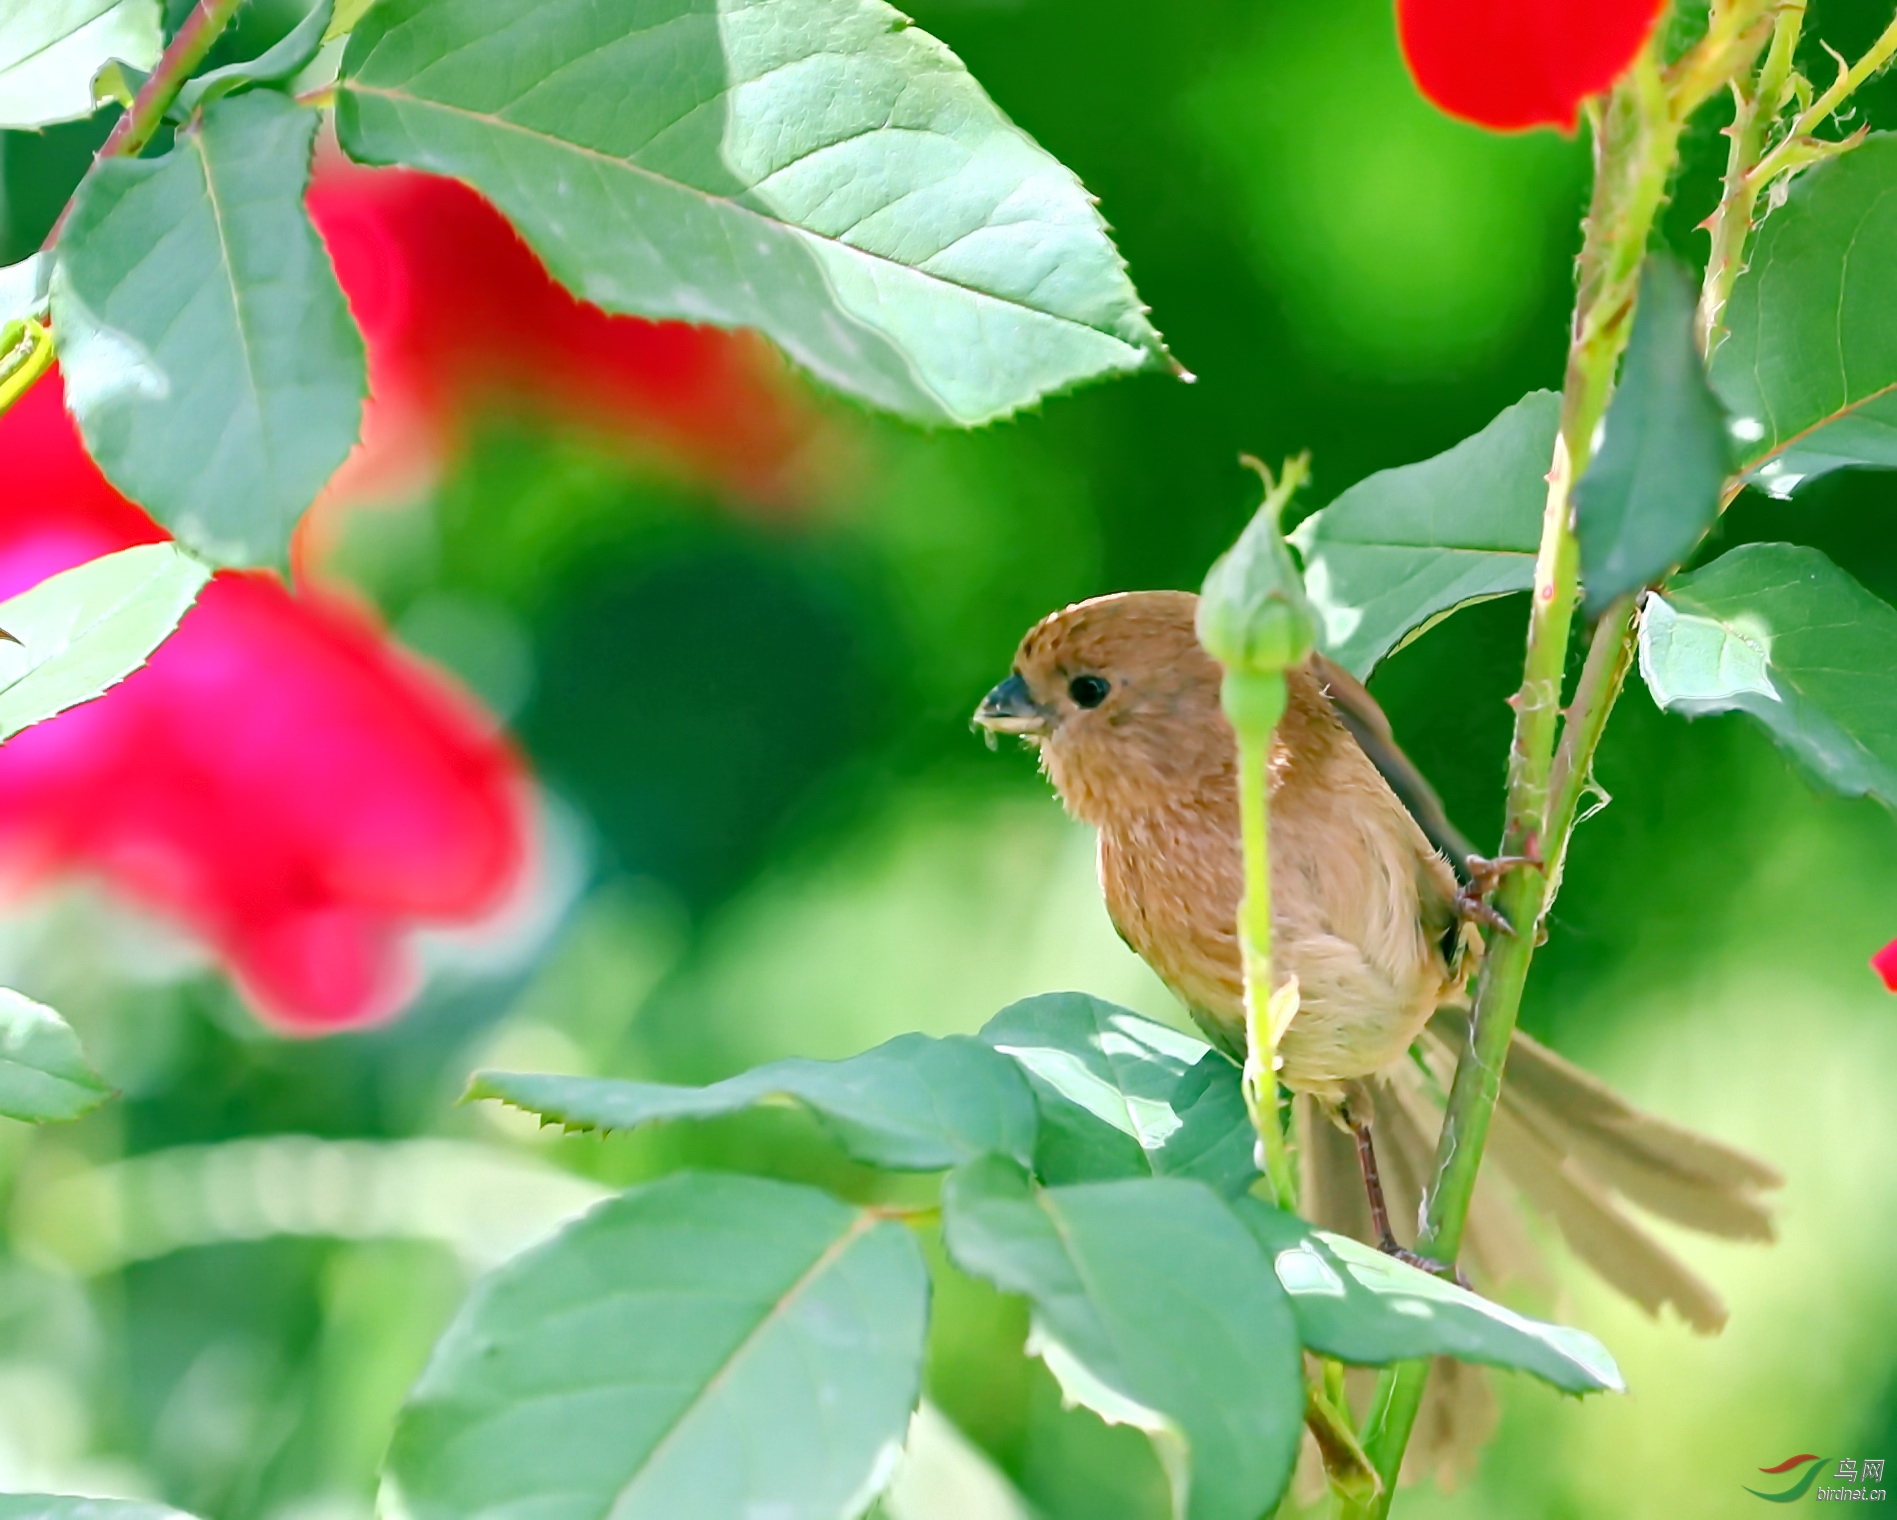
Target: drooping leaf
[207,352]
[1780,632]
[1123,1096]
[79,633]
[1354,1303]
[50,49]
[44,1075]
[1404,548]
[278,62]
[913,1103]
[1154,1307]
[818,169]
[713,1346]
[1809,366]
[1653,487]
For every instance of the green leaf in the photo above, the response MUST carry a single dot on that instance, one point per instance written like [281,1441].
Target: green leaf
[1123,1096]
[712,1346]
[290,53]
[1154,1307]
[73,1507]
[206,348]
[1404,548]
[348,16]
[23,287]
[1354,1303]
[117,84]
[79,633]
[819,169]
[44,1075]
[1653,487]
[1809,366]
[913,1104]
[1778,631]
[50,49]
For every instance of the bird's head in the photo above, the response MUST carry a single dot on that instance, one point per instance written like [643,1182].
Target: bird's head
[1121,701]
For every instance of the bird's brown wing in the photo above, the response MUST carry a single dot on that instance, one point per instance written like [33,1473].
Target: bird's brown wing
[1359,712]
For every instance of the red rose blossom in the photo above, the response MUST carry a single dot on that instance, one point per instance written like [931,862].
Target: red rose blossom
[460,317]
[1512,64]
[281,778]
[1884,963]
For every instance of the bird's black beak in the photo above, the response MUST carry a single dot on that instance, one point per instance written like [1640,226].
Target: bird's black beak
[1010,709]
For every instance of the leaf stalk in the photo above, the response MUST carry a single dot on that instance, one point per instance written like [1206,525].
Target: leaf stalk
[1755,109]
[25,355]
[1262,1028]
[133,131]
[1636,145]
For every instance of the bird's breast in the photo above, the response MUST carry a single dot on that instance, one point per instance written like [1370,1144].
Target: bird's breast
[1356,916]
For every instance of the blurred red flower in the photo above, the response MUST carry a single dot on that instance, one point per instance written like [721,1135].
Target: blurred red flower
[1884,963]
[281,777]
[461,318]
[1512,64]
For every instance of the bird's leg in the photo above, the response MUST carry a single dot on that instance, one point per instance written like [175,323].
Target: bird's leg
[1380,1210]
[1482,877]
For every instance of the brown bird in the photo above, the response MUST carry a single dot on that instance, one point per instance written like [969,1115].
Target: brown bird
[1369,915]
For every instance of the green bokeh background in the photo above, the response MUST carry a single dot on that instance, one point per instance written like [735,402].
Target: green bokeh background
[771,832]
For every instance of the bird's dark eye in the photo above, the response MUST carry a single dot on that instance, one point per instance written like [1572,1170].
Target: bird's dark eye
[1089,691]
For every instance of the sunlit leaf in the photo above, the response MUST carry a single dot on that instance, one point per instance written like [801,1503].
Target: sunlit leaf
[23,287]
[347,15]
[1154,1307]
[1809,368]
[1406,547]
[712,1346]
[75,1507]
[296,48]
[50,49]
[819,169]
[914,1103]
[1780,632]
[77,634]
[207,352]
[1359,1305]
[1123,1096]
[1653,487]
[44,1075]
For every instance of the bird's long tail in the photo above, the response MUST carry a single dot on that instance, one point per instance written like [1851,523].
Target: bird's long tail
[1572,1150]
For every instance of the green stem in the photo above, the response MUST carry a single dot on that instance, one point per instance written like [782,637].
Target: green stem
[1815,115]
[1609,656]
[1756,110]
[1635,152]
[1732,41]
[132,132]
[180,60]
[1254,703]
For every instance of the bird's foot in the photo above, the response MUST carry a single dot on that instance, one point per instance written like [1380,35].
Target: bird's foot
[1429,1264]
[1485,875]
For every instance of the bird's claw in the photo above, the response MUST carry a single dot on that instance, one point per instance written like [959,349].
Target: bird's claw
[1485,875]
